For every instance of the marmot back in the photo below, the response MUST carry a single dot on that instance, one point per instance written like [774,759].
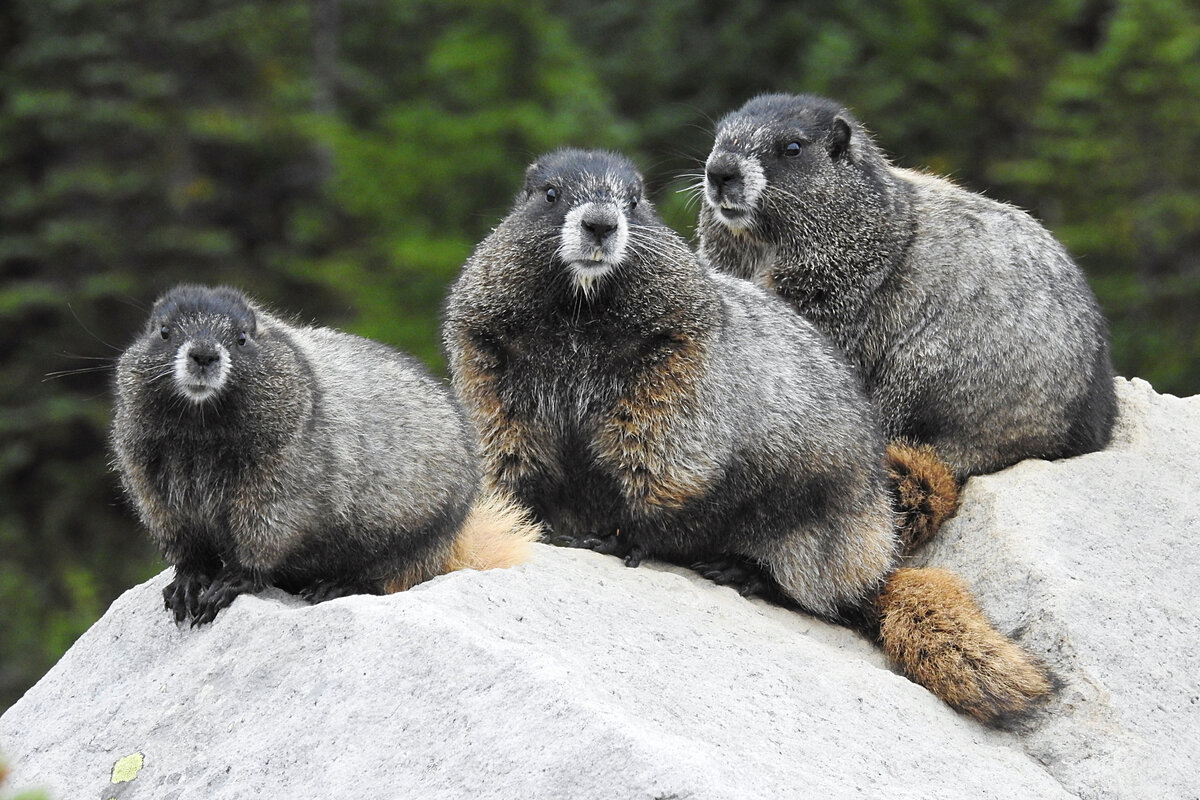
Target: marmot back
[262,453]
[971,327]
[642,404]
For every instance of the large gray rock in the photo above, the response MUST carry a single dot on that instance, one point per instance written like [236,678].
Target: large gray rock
[1096,560]
[574,677]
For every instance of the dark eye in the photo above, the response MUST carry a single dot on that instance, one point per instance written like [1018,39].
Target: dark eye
[792,149]
[633,201]
[165,332]
[551,195]
[241,337]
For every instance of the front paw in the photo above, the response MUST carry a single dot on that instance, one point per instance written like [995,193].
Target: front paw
[182,595]
[224,589]
[623,546]
[738,572]
[634,556]
[322,590]
[606,544]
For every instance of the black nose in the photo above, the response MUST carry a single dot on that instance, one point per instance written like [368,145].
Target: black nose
[203,356]
[721,171]
[599,228]
[719,178]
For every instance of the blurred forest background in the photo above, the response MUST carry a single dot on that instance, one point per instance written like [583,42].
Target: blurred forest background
[339,158]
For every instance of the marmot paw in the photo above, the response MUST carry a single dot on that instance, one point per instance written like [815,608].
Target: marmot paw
[320,591]
[738,572]
[224,589]
[182,595]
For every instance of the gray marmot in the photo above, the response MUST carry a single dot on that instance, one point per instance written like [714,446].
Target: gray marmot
[627,394]
[262,453]
[972,328]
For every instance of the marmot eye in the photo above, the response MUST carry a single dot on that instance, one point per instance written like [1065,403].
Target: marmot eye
[165,332]
[792,149]
[551,195]
[241,337]
[633,201]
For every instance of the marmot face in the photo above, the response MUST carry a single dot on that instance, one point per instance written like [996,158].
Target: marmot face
[592,199]
[200,338]
[776,150]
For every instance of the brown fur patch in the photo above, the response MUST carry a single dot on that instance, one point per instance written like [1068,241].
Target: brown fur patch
[638,439]
[924,492]
[510,447]
[932,629]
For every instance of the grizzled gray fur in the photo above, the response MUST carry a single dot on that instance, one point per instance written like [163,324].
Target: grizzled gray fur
[643,404]
[259,452]
[626,393]
[971,327]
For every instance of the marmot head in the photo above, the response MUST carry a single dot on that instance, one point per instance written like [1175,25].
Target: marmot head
[197,337]
[778,154]
[596,203]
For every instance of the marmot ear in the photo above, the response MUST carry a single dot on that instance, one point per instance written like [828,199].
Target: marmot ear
[839,138]
[530,174]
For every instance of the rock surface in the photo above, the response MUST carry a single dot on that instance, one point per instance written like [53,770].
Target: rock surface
[574,677]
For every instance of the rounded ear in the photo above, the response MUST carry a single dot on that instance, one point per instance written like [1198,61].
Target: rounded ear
[530,173]
[839,138]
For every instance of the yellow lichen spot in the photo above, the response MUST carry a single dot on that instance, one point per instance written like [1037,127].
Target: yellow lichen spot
[127,768]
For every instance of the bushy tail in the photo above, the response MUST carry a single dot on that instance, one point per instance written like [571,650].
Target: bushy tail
[934,632]
[924,492]
[497,533]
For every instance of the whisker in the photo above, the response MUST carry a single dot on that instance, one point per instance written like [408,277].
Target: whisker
[92,334]
[62,373]
[109,359]
[167,371]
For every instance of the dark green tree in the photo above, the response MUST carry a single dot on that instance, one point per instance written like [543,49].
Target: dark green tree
[337,160]
[1116,165]
[138,147]
[440,105]
[1082,111]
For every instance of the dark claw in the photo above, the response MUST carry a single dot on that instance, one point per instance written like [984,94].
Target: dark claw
[564,540]
[221,593]
[742,574]
[613,544]
[182,595]
[610,545]
[754,586]
[320,591]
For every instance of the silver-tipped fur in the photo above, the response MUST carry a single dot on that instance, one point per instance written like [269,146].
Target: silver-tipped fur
[971,327]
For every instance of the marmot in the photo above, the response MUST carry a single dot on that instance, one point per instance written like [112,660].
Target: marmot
[628,394]
[970,325]
[262,453]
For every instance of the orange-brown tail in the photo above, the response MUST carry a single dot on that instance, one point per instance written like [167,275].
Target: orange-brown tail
[924,492]
[934,632]
[497,533]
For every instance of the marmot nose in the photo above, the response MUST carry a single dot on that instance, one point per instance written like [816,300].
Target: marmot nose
[719,177]
[203,356]
[599,228]
[721,170]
